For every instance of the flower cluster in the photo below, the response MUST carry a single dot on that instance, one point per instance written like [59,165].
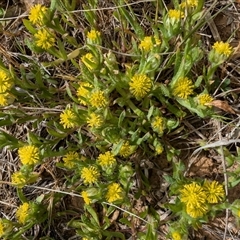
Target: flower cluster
[90,175]
[183,88]
[175,14]
[70,158]
[98,99]
[93,37]
[114,192]
[45,39]
[5,86]
[29,155]
[204,99]
[37,13]
[68,118]
[19,179]
[83,92]
[196,197]
[1,228]
[85,197]
[22,213]
[126,150]
[94,120]
[222,48]
[106,160]
[140,85]
[159,125]
[89,61]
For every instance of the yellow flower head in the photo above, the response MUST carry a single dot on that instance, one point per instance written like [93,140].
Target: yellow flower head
[89,61]
[4,99]
[183,88]
[175,14]
[5,82]
[36,14]
[1,228]
[159,149]
[69,159]
[93,35]
[44,39]
[189,3]
[204,99]
[19,179]
[98,99]
[176,236]
[146,44]
[94,120]
[159,125]
[85,197]
[222,48]
[126,150]
[23,213]
[90,175]
[29,155]
[68,118]
[194,197]
[107,159]
[114,192]
[214,191]
[83,92]
[140,85]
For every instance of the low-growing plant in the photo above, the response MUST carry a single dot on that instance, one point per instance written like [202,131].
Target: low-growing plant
[104,105]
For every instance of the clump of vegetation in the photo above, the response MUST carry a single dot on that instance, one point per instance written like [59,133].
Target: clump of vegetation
[103,110]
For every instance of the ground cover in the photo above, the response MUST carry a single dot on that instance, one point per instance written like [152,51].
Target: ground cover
[119,119]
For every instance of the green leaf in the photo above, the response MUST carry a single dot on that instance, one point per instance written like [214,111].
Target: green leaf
[29,26]
[121,118]
[93,213]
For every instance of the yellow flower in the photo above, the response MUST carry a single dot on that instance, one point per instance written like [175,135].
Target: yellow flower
[23,213]
[70,158]
[83,92]
[222,48]
[90,175]
[146,44]
[107,159]
[140,85]
[1,228]
[204,99]
[4,99]
[29,155]
[94,120]
[159,149]
[189,3]
[89,61]
[114,192]
[98,99]
[194,197]
[176,236]
[44,39]
[197,211]
[159,125]
[85,197]
[126,150]
[157,40]
[18,179]
[214,191]
[183,88]
[93,35]
[5,82]
[175,14]
[36,14]
[68,118]
[238,213]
